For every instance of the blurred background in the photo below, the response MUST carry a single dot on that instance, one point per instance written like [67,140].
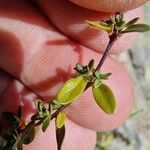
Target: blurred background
[135,133]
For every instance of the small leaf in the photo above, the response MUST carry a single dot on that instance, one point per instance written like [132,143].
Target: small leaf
[56,104]
[60,120]
[8,116]
[15,145]
[28,134]
[99,26]
[19,146]
[46,123]
[11,143]
[79,67]
[131,22]
[60,134]
[38,116]
[110,21]
[50,106]
[91,64]
[97,83]
[85,70]
[97,74]
[46,113]
[40,105]
[119,22]
[41,114]
[105,98]
[72,90]
[104,76]
[20,112]
[137,28]
[118,17]
[90,78]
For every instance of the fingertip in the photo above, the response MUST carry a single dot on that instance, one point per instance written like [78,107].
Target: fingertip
[109,6]
[73,137]
[85,111]
[70,20]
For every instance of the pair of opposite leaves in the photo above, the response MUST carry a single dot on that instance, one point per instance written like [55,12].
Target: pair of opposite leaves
[74,87]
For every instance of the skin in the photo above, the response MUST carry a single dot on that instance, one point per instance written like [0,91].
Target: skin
[110,6]
[36,59]
[70,19]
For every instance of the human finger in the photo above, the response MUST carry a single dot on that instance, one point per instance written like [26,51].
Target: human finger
[70,20]
[43,59]
[110,6]
[15,94]
[73,137]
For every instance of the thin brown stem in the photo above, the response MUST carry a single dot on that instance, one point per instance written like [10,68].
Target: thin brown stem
[112,39]
[59,110]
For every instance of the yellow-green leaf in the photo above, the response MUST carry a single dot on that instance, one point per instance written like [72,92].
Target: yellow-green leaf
[105,98]
[71,90]
[60,120]
[99,26]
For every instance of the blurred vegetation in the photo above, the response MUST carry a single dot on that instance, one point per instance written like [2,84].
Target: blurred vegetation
[135,133]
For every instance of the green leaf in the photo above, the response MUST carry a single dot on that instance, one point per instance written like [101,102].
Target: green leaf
[110,22]
[50,106]
[118,17]
[99,26]
[91,64]
[105,98]
[46,113]
[97,83]
[13,120]
[101,76]
[15,145]
[60,134]
[56,104]
[119,22]
[46,123]
[41,114]
[72,90]
[40,105]
[8,116]
[131,22]
[19,146]
[137,28]
[11,143]
[20,112]
[60,120]
[28,134]
[79,67]
[90,78]
[97,74]
[85,70]
[104,76]
[38,116]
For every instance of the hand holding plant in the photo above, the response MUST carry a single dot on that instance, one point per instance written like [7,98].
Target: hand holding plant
[19,132]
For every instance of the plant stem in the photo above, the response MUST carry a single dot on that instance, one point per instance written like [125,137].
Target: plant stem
[112,39]
[58,111]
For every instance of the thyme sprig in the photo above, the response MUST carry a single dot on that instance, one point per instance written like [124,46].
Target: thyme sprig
[18,132]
